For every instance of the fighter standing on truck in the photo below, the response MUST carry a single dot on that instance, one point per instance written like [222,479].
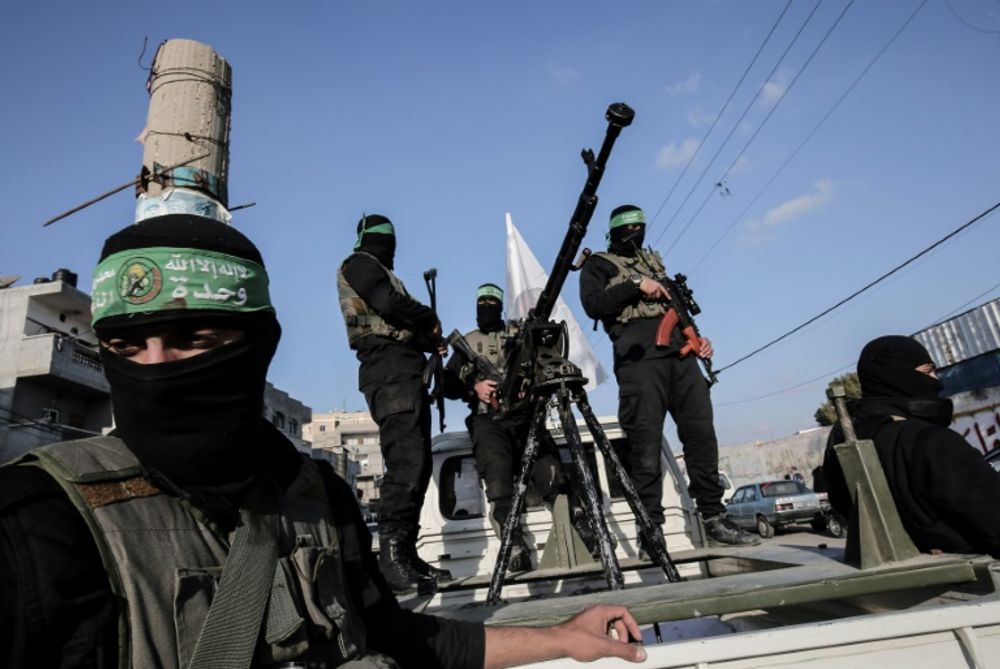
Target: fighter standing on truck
[623,289]
[498,444]
[390,332]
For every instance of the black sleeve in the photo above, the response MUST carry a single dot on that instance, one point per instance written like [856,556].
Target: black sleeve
[57,608]
[838,494]
[962,487]
[458,382]
[412,639]
[373,286]
[599,301]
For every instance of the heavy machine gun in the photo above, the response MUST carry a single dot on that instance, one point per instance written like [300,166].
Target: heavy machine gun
[538,374]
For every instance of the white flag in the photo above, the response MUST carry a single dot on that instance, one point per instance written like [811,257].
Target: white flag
[525,281]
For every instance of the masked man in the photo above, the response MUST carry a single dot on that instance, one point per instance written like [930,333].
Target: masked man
[947,496]
[390,331]
[499,444]
[195,535]
[621,288]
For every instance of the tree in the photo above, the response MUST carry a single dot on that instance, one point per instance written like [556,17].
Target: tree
[826,414]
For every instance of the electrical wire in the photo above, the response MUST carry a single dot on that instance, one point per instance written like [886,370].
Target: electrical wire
[865,288]
[718,116]
[736,125]
[767,117]
[808,137]
[827,375]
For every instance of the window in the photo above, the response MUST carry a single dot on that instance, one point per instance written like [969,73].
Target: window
[739,496]
[293,426]
[278,420]
[781,488]
[322,428]
[461,496]
[750,495]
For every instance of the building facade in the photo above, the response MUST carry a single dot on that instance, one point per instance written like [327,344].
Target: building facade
[351,440]
[52,387]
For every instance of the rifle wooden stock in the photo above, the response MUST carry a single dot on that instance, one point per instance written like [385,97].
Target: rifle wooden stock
[692,341]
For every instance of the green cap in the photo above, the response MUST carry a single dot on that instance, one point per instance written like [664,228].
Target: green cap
[489,290]
[157,279]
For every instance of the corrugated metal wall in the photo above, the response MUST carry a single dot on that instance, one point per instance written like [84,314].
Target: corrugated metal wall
[970,334]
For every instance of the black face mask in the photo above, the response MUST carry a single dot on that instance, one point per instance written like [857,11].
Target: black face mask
[194,421]
[888,375]
[489,316]
[625,242]
[381,246]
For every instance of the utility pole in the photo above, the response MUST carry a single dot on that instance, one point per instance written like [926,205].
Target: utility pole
[185,159]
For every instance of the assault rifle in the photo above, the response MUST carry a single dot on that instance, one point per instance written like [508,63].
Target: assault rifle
[483,366]
[682,311]
[538,374]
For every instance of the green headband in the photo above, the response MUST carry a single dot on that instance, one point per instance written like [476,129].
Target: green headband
[141,281]
[630,217]
[379,229]
[489,290]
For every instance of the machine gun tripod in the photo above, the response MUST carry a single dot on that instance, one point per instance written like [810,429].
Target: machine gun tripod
[561,383]
[538,373]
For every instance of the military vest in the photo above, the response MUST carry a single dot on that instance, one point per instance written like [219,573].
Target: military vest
[361,319]
[490,345]
[164,604]
[648,263]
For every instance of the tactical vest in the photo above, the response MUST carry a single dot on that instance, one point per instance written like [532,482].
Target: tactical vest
[164,604]
[648,263]
[361,319]
[490,345]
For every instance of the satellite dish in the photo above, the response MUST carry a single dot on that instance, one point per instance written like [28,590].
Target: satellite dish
[8,280]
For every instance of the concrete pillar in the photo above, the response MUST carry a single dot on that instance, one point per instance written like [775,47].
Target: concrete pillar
[190,104]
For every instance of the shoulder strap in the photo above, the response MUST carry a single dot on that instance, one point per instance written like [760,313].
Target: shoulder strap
[229,637]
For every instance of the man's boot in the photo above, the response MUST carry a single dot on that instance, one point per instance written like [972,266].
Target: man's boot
[439,575]
[520,554]
[395,560]
[721,529]
[645,552]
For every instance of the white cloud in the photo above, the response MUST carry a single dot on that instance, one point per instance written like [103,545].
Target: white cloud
[673,155]
[799,206]
[686,87]
[771,92]
[773,89]
[564,75]
[699,117]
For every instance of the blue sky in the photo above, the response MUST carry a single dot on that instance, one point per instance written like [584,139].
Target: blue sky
[445,115]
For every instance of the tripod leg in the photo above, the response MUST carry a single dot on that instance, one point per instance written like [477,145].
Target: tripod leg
[654,538]
[517,503]
[612,571]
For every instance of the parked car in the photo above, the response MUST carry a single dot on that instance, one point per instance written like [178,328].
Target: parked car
[774,504]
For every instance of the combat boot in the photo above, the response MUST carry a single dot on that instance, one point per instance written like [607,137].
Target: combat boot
[722,530]
[395,561]
[439,575]
[520,555]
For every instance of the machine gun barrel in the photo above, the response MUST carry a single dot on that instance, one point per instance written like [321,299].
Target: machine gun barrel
[619,115]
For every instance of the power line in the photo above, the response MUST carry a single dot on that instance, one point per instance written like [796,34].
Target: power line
[785,390]
[736,125]
[858,292]
[851,364]
[808,137]
[766,119]
[718,116]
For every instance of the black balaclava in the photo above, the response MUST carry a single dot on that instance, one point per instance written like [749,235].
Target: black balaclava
[887,372]
[621,240]
[194,424]
[377,236]
[489,308]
